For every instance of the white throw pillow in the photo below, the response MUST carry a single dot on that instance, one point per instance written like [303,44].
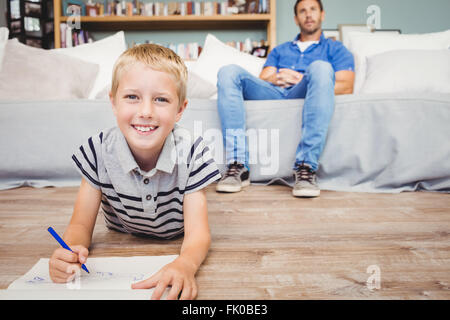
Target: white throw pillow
[103,52]
[189,64]
[364,45]
[30,73]
[4,33]
[199,88]
[216,54]
[413,71]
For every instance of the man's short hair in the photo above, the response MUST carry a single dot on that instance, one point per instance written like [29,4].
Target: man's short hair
[298,1]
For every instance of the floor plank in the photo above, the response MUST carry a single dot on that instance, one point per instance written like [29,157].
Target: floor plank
[267,244]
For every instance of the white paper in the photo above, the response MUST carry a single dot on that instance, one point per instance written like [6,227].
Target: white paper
[110,277]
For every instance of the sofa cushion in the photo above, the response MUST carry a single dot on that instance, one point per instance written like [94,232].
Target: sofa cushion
[364,45]
[30,73]
[413,71]
[216,54]
[103,52]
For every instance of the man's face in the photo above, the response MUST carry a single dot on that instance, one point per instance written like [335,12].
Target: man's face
[309,17]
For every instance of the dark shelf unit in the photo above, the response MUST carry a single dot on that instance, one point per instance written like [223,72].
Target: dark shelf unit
[41,10]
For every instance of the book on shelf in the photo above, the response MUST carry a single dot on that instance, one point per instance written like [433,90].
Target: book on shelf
[252,6]
[186,51]
[71,37]
[236,6]
[255,48]
[248,6]
[182,8]
[173,8]
[197,9]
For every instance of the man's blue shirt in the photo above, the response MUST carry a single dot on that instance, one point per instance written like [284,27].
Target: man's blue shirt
[289,56]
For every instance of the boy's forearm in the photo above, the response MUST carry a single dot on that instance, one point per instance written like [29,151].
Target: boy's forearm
[195,250]
[77,234]
[82,223]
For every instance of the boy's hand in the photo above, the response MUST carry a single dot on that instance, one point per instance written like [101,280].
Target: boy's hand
[63,263]
[180,274]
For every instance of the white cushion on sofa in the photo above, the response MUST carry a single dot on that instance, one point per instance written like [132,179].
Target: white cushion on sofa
[30,73]
[4,32]
[199,88]
[412,71]
[364,45]
[189,64]
[104,53]
[216,54]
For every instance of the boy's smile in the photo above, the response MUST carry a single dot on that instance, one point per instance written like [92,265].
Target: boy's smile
[143,129]
[146,106]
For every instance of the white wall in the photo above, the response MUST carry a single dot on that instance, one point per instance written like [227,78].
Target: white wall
[410,16]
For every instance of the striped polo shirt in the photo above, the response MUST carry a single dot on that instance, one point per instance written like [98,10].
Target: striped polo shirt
[146,203]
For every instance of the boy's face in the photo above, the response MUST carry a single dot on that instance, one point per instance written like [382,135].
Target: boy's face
[146,106]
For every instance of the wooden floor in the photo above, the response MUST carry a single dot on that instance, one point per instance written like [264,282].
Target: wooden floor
[267,244]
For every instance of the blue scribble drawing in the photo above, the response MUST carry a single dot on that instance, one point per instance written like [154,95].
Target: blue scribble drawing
[104,274]
[36,280]
[138,277]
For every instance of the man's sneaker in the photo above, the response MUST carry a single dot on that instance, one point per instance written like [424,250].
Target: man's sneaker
[305,182]
[234,179]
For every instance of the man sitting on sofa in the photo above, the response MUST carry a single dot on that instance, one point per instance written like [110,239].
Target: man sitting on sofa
[310,67]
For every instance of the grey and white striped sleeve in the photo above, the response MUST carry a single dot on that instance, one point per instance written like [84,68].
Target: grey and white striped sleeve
[86,159]
[202,168]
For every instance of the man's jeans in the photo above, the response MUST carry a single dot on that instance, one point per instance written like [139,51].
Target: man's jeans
[317,87]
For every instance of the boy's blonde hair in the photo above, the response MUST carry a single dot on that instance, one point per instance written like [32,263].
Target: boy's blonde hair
[156,57]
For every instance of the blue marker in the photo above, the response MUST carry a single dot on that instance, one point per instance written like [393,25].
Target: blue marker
[63,244]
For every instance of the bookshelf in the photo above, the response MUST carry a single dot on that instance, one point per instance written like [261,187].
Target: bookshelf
[31,22]
[173,22]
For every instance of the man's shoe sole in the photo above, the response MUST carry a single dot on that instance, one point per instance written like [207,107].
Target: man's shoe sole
[306,193]
[230,188]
